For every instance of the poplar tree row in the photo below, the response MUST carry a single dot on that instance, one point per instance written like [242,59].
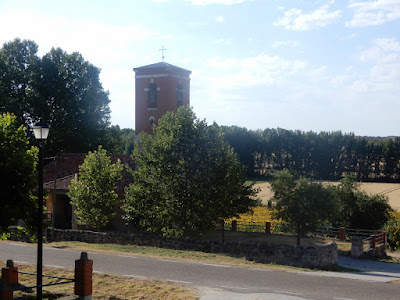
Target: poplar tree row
[324,155]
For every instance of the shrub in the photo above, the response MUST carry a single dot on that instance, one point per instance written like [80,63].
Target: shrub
[393,230]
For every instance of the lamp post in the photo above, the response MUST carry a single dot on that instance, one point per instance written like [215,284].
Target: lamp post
[41,131]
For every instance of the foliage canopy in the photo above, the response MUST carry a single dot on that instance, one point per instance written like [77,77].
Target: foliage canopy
[17,173]
[323,155]
[62,88]
[303,204]
[93,192]
[357,209]
[188,179]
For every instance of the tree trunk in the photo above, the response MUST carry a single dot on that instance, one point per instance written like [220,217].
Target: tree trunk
[298,235]
[223,231]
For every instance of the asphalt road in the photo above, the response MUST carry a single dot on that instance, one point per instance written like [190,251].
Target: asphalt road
[219,281]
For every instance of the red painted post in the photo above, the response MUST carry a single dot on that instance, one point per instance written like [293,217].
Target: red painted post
[6,292]
[373,240]
[9,278]
[267,227]
[83,277]
[385,239]
[10,273]
[342,236]
[234,225]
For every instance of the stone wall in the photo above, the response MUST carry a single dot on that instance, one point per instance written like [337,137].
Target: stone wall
[323,257]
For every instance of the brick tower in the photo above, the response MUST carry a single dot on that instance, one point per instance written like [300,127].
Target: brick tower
[160,87]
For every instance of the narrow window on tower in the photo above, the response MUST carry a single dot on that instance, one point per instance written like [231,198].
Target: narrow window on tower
[179,95]
[152,96]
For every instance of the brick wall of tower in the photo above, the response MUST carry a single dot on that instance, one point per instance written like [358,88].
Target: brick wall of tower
[167,83]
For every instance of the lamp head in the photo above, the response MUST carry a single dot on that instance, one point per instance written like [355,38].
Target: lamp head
[41,130]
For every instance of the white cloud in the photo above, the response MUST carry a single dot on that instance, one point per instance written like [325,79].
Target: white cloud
[378,73]
[347,37]
[208,2]
[278,44]
[223,41]
[250,71]
[383,50]
[219,19]
[296,19]
[372,13]
[384,74]
[73,35]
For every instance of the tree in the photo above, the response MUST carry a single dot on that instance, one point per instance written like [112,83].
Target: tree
[244,143]
[188,179]
[19,66]
[303,204]
[119,141]
[62,88]
[93,192]
[357,209]
[17,167]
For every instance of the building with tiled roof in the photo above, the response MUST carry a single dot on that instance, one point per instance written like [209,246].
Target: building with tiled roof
[63,170]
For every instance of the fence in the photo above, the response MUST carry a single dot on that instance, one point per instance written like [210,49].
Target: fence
[370,238]
[374,241]
[343,234]
[9,281]
[262,227]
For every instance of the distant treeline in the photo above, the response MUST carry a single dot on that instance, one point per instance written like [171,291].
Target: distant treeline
[324,155]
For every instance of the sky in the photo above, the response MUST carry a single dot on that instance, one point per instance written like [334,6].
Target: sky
[318,65]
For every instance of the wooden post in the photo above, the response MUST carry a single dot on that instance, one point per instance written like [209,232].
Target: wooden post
[373,241]
[9,279]
[6,292]
[234,225]
[83,277]
[268,227]
[385,239]
[342,236]
[10,273]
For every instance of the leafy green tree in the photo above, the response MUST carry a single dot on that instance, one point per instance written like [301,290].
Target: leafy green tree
[62,88]
[93,192]
[19,67]
[119,141]
[188,179]
[128,138]
[357,209]
[17,167]
[303,204]
[244,142]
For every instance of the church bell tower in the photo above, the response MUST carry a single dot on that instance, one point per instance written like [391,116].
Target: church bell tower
[159,88]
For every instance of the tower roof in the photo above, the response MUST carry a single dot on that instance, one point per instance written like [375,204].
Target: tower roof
[161,66]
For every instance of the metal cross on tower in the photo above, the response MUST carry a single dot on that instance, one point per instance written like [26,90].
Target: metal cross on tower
[162,51]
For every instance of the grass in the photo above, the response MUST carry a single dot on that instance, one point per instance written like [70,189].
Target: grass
[105,286]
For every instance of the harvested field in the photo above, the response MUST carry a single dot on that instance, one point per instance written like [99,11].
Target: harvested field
[391,190]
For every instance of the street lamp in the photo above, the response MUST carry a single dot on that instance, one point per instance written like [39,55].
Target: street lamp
[41,131]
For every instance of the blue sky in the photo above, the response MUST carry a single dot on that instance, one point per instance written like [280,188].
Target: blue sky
[311,65]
